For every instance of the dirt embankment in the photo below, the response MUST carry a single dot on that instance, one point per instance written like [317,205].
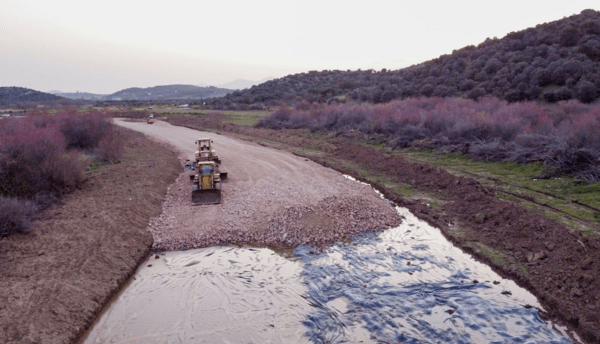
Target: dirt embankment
[57,278]
[558,264]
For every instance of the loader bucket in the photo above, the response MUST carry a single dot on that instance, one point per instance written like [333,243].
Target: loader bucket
[206,196]
[223,176]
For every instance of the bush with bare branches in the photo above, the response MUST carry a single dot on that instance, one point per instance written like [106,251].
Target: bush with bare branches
[565,136]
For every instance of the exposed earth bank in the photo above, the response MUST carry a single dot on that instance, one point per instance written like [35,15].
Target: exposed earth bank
[57,278]
[555,262]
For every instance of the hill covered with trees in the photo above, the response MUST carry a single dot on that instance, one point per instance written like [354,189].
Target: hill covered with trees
[168,92]
[551,62]
[79,95]
[11,96]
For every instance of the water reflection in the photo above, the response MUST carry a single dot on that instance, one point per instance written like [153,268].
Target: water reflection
[409,284]
[212,295]
[406,284]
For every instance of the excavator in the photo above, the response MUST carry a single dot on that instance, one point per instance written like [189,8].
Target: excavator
[206,183]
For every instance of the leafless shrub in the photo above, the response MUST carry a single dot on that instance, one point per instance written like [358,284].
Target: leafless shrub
[488,151]
[15,215]
[489,129]
[109,148]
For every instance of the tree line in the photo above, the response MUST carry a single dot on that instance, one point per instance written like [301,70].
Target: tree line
[551,62]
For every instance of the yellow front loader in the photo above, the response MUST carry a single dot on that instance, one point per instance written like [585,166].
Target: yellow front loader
[206,184]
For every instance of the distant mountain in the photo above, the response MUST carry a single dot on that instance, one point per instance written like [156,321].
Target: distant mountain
[554,61]
[239,84]
[169,92]
[12,95]
[79,95]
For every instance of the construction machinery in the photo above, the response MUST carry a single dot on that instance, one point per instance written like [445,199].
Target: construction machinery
[151,119]
[206,183]
[206,153]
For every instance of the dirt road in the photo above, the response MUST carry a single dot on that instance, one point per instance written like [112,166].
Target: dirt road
[271,198]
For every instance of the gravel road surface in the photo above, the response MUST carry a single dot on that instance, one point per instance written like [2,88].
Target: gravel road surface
[272,197]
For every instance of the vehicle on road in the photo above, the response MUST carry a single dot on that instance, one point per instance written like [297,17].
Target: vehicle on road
[206,183]
[206,153]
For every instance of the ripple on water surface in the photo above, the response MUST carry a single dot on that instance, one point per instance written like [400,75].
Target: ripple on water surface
[212,295]
[407,284]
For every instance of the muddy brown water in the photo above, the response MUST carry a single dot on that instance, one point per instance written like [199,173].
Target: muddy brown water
[406,284]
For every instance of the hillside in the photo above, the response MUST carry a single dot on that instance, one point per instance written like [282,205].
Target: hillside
[241,84]
[168,92]
[79,95]
[238,84]
[553,61]
[10,96]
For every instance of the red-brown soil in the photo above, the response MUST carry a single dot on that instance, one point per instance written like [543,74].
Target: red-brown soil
[57,278]
[555,262]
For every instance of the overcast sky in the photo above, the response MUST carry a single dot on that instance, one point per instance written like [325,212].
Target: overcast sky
[105,46]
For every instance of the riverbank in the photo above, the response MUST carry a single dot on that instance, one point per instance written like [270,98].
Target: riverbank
[55,279]
[554,261]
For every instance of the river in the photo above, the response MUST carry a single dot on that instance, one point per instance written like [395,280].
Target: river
[403,285]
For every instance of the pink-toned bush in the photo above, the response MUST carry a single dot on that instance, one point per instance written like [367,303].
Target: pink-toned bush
[44,153]
[494,129]
[82,130]
[109,148]
[15,215]
[43,156]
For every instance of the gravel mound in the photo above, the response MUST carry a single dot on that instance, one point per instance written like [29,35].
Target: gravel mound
[279,212]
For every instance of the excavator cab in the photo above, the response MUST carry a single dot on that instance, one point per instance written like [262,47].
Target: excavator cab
[206,184]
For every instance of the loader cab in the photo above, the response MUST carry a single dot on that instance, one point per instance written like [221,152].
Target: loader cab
[204,144]
[206,185]
[206,167]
